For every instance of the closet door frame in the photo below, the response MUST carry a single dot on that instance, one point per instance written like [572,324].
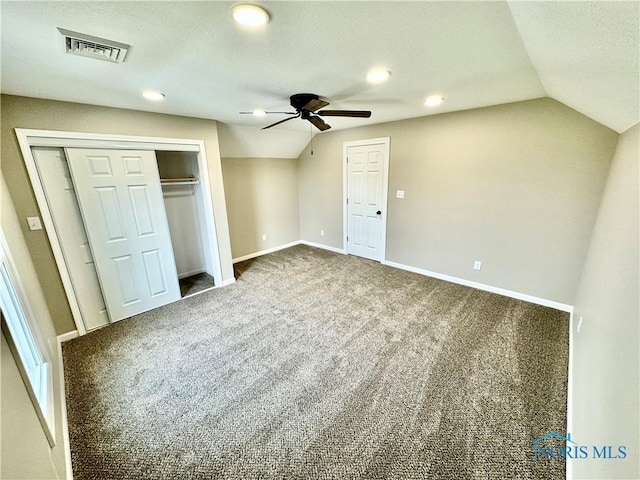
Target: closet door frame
[28,138]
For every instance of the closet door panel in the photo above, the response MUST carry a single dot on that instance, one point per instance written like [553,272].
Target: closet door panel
[110,211]
[63,206]
[142,211]
[123,211]
[126,284]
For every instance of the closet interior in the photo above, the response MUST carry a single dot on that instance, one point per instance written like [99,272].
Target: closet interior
[183,202]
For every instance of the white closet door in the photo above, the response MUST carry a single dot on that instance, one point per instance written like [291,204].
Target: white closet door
[63,205]
[121,203]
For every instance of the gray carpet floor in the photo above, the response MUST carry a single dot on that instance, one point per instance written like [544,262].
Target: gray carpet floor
[195,283]
[316,365]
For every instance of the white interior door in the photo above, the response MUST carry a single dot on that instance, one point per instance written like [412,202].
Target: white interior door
[121,203]
[63,206]
[366,200]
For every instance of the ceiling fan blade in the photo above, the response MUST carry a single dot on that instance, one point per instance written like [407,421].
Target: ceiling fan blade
[319,123]
[281,121]
[282,113]
[345,113]
[315,104]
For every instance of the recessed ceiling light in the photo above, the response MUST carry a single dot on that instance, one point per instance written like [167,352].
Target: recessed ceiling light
[155,96]
[378,76]
[258,112]
[250,15]
[433,101]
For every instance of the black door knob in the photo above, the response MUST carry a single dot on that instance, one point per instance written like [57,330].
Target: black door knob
[378,212]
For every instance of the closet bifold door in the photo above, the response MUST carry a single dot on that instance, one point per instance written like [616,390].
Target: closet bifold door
[123,211]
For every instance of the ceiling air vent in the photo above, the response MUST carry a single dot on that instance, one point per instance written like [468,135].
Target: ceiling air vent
[93,47]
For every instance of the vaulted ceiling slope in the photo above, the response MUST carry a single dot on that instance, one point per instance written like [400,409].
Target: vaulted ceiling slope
[584,54]
[587,55]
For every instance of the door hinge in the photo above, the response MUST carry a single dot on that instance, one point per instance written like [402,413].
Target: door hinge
[347,238]
[347,201]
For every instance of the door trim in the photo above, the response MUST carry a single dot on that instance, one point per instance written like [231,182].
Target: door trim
[385,142]
[28,138]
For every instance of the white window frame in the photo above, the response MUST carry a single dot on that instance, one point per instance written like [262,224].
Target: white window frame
[26,343]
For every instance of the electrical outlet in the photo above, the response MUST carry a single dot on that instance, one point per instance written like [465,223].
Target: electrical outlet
[400,194]
[322,233]
[264,237]
[34,223]
[477,265]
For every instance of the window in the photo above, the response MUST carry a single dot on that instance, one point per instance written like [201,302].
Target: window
[21,332]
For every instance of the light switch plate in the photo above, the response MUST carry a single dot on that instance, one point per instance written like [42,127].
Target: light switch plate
[400,194]
[34,223]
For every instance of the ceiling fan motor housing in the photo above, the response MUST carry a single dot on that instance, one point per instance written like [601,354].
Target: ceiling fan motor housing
[299,100]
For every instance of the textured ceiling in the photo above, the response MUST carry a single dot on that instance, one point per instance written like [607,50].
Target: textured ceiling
[472,53]
[586,55]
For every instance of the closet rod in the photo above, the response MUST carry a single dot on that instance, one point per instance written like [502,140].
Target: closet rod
[185,182]
[180,181]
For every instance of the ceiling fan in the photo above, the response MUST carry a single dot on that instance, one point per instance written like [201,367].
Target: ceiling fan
[308,107]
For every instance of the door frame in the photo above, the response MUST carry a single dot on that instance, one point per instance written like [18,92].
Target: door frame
[385,142]
[28,138]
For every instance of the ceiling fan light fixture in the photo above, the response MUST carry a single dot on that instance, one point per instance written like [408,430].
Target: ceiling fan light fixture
[378,76]
[153,96]
[433,100]
[258,112]
[249,15]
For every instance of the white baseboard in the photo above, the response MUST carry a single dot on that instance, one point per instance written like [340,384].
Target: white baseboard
[228,281]
[63,405]
[287,245]
[324,247]
[192,272]
[65,337]
[264,252]
[487,288]
[461,281]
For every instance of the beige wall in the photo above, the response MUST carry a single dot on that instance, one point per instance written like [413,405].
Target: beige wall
[25,451]
[605,356]
[262,199]
[516,186]
[23,112]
